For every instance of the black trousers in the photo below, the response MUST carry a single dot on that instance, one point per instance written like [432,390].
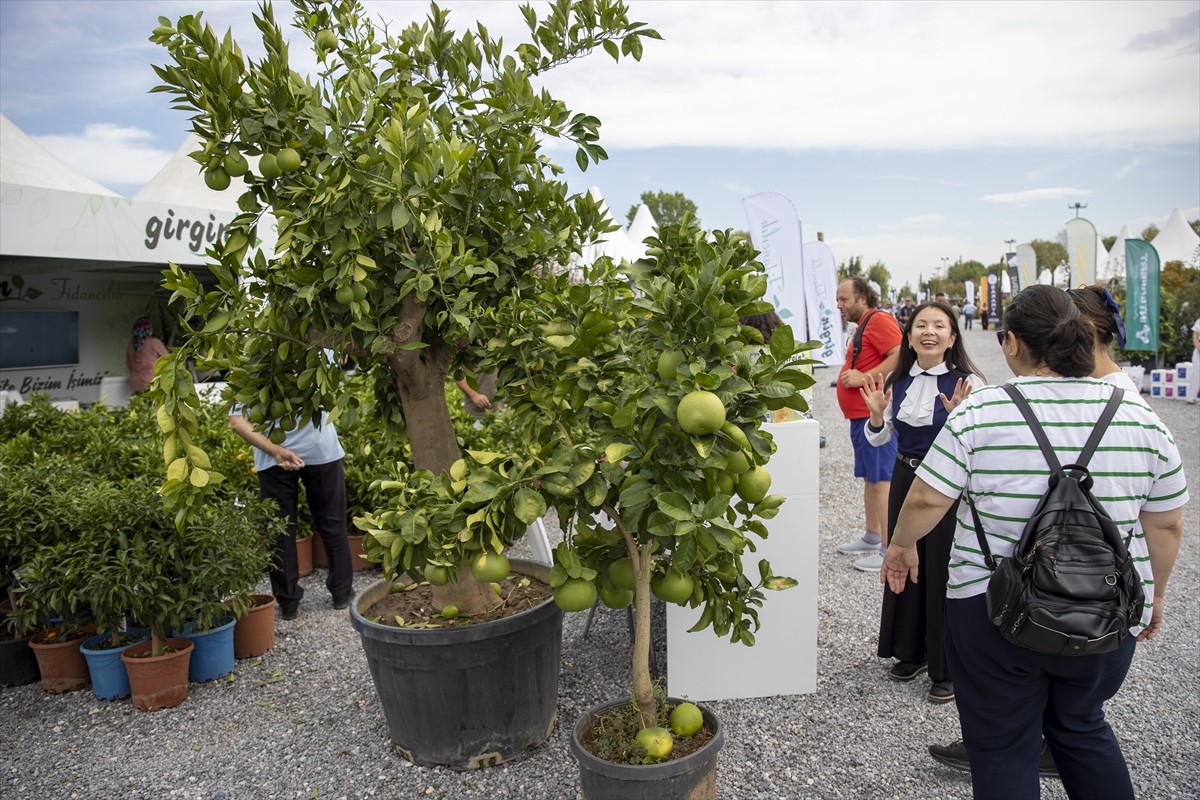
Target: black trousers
[912,625]
[325,486]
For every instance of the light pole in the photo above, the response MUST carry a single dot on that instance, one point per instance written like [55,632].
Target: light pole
[1010,243]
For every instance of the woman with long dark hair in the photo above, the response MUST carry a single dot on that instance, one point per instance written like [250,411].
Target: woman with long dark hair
[1098,307]
[1007,695]
[932,376]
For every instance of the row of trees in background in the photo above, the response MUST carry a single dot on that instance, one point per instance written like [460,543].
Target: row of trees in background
[1180,287]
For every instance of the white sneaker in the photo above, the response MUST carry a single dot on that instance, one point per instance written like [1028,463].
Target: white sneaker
[857,546]
[871,563]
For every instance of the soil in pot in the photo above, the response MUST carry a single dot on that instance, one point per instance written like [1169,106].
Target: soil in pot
[60,661]
[689,773]
[414,605]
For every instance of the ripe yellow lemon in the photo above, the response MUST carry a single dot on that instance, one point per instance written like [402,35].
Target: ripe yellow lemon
[753,484]
[686,719]
[489,567]
[657,742]
[575,595]
[700,413]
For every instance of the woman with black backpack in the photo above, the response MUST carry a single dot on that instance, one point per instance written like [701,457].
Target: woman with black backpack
[1008,694]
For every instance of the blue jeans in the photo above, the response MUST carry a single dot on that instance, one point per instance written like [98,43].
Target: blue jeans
[1008,697]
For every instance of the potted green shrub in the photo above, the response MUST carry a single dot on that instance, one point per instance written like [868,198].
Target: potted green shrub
[640,400]
[412,199]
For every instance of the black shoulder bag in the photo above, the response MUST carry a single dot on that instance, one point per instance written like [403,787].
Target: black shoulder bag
[1070,587]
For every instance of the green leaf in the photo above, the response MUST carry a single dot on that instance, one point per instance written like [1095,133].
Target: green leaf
[777,583]
[675,506]
[484,457]
[616,451]
[528,505]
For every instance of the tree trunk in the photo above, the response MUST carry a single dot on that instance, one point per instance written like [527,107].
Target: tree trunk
[471,596]
[643,689]
[420,379]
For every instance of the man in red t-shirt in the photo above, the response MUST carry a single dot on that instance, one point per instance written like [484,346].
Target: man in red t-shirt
[875,350]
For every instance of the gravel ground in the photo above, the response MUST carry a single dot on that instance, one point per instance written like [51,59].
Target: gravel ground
[303,721]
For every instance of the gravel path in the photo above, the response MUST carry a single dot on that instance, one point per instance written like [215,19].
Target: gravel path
[303,721]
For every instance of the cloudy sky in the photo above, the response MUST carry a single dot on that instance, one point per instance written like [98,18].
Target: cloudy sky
[907,132]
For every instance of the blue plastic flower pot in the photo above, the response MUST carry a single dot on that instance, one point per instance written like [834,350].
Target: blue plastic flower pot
[110,681]
[212,657]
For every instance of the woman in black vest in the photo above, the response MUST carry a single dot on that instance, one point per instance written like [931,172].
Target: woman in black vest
[931,378]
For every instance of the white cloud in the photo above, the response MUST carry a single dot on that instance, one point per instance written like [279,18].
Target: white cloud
[1130,167]
[118,157]
[924,219]
[1031,195]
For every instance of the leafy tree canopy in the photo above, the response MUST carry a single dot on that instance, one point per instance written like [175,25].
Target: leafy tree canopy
[410,192]
[668,208]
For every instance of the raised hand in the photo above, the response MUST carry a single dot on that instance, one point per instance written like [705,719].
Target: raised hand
[874,395]
[961,390]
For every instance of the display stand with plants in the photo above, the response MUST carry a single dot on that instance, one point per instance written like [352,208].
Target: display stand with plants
[412,201]
[640,398]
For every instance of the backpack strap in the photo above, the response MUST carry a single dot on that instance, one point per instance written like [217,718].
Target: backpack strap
[858,336]
[1085,456]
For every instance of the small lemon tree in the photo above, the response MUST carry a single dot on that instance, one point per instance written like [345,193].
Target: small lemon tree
[411,193]
[641,401]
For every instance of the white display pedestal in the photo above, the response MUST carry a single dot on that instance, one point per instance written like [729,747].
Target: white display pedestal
[701,666]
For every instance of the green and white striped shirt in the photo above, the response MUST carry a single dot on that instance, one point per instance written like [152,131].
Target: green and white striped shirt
[987,449]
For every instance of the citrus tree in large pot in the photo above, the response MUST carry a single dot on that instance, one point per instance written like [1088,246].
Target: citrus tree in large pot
[411,196]
[641,399]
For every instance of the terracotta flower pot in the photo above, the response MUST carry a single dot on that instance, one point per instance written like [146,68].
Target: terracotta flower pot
[158,681]
[319,559]
[304,561]
[63,667]
[254,633]
[358,559]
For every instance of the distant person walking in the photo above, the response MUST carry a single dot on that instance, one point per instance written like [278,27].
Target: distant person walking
[143,350]
[874,351]
[968,314]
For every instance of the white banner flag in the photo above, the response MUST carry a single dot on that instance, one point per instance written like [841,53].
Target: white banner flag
[824,319]
[775,232]
[1026,265]
[969,288]
[1081,247]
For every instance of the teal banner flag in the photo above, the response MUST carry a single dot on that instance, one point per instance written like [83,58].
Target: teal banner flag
[1141,297]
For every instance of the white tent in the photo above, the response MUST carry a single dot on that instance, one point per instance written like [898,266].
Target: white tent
[24,162]
[642,226]
[1177,241]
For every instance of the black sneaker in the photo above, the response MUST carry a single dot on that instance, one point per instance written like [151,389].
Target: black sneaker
[289,612]
[341,603]
[941,692]
[954,755]
[905,671]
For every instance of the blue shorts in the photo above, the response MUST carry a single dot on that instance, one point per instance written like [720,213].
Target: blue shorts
[871,462]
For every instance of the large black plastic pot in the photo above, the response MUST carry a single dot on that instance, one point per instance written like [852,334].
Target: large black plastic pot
[18,665]
[693,777]
[471,696]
